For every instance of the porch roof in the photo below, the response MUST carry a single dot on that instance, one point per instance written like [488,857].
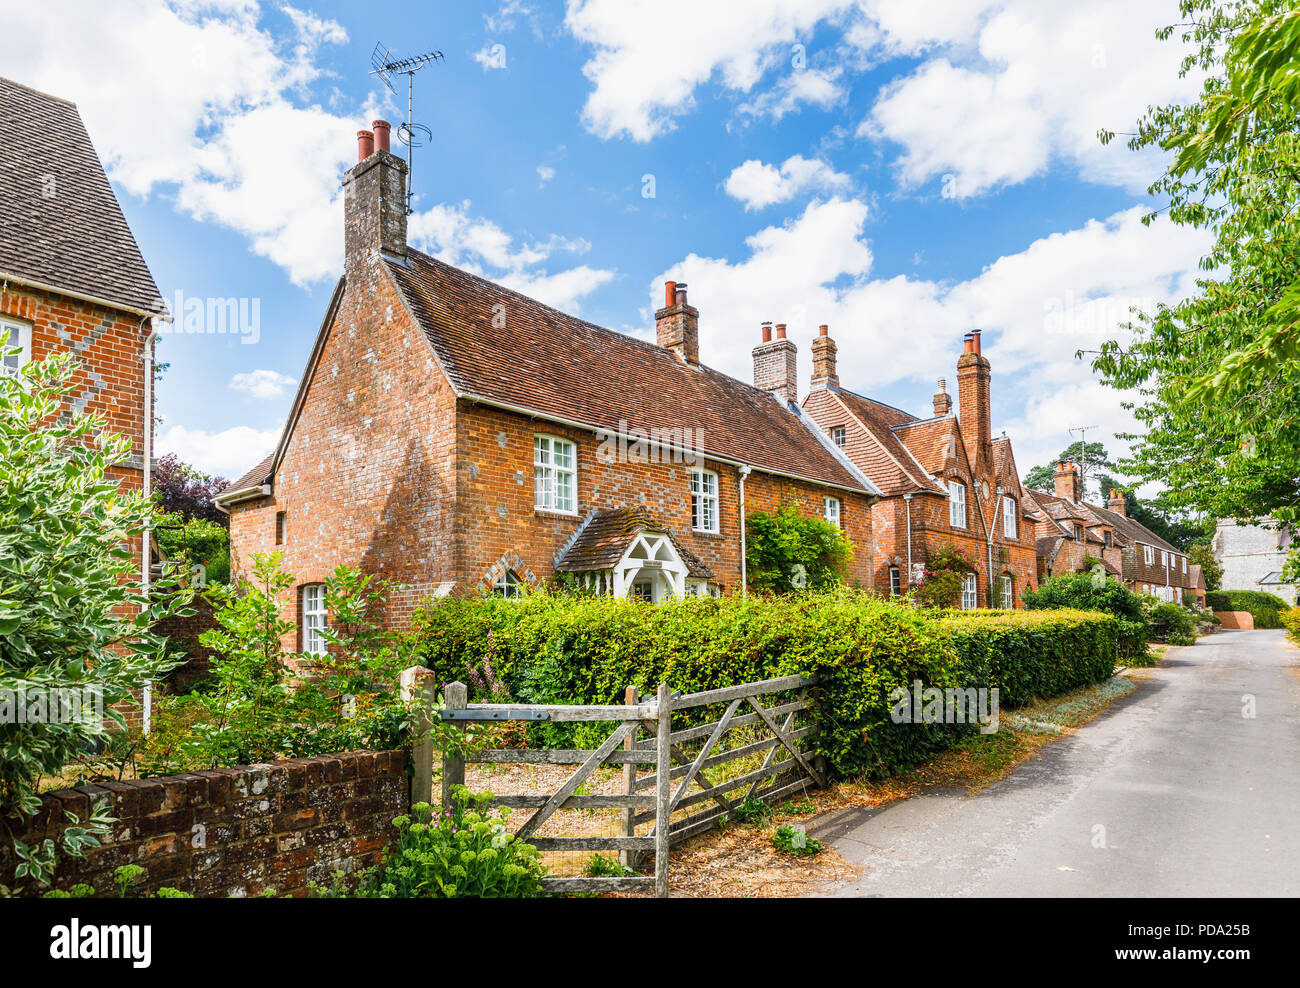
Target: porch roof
[605,535]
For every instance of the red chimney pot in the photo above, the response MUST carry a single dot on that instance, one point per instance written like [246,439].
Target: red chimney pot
[382,128]
[365,144]
[823,330]
[780,331]
[670,293]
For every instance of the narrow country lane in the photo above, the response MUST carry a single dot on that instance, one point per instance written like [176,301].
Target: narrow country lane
[1170,792]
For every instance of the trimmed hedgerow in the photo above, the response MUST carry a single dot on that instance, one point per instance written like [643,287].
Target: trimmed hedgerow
[1028,654]
[1097,592]
[550,648]
[1265,608]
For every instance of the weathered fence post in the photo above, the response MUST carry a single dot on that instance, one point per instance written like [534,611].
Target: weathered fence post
[419,687]
[663,805]
[454,697]
[629,858]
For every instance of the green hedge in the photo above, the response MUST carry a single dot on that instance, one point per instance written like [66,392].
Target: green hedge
[1029,654]
[1265,608]
[555,648]
[1084,592]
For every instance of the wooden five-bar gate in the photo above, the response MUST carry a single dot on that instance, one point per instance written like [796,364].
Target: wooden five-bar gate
[644,737]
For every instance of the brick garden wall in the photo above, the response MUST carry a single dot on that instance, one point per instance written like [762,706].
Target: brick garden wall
[236,831]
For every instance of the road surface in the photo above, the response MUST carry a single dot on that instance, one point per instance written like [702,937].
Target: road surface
[1170,792]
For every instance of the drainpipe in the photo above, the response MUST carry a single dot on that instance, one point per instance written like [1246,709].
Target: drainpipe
[743,471]
[907,499]
[146,568]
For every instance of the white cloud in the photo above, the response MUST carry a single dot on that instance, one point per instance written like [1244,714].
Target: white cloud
[648,61]
[816,87]
[263,383]
[544,174]
[1037,307]
[759,185]
[450,232]
[212,105]
[1032,83]
[227,453]
[491,56]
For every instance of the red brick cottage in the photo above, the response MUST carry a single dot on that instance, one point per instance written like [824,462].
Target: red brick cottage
[1073,535]
[72,278]
[451,433]
[945,479]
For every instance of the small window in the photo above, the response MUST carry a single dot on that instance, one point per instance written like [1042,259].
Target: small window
[313,618]
[895,581]
[1107,536]
[555,474]
[15,334]
[837,436]
[831,510]
[956,504]
[642,590]
[704,501]
[509,586]
[1009,517]
[1184,564]
[969,594]
[279,527]
[1008,593]
[1164,558]
[1148,554]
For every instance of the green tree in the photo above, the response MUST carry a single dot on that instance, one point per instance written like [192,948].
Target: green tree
[1216,373]
[73,616]
[1203,556]
[1093,456]
[787,552]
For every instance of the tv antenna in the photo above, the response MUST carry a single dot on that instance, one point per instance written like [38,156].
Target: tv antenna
[410,133]
[1083,431]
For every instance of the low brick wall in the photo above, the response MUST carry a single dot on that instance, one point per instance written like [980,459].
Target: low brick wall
[236,831]
[1236,620]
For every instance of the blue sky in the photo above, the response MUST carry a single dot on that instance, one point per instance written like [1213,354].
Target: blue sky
[904,171]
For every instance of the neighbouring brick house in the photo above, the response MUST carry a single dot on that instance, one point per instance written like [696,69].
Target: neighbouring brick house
[1073,535]
[945,479]
[72,278]
[450,433]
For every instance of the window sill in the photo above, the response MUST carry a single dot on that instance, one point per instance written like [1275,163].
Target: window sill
[706,533]
[552,513]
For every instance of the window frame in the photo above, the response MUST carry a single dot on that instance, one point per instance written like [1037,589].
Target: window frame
[834,517]
[510,586]
[545,467]
[705,498]
[895,581]
[313,609]
[1010,507]
[1008,592]
[970,585]
[1149,554]
[955,502]
[839,435]
[24,328]
[281,527]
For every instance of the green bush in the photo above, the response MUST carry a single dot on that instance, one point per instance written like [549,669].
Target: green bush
[791,552]
[1097,592]
[1290,619]
[1172,624]
[1265,608]
[462,853]
[562,649]
[1028,654]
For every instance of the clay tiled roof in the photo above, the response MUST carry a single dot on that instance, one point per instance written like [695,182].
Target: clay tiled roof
[259,475]
[499,346]
[934,442]
[1126,530]
[60,224]
[604,537]
[1047,546]
[887,461]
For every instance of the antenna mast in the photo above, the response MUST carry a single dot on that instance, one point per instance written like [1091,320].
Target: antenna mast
[410,133]
[1083,430]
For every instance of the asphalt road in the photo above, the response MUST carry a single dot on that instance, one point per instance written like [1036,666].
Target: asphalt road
[1170,792]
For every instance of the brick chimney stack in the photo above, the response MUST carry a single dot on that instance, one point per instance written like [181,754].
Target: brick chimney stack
[976,413]
[677,325]
[1117,503]
[825,374]
[1066,481]
[374,201]
[942,400]
[776,365]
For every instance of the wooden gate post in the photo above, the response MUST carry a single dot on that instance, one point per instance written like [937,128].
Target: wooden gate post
[629,858]
[663,805]
[419,687]
[454,697]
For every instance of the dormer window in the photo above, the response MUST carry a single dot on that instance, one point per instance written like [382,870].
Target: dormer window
[838,436]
